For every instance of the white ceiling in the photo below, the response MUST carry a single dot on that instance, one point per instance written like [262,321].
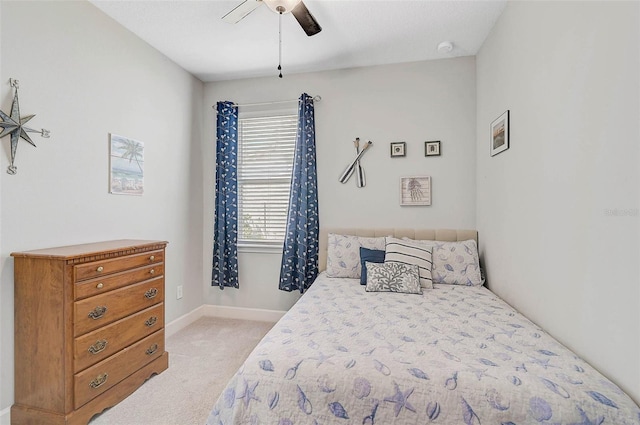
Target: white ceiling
[354,33]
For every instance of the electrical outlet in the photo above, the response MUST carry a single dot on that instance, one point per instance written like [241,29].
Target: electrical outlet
[179,292]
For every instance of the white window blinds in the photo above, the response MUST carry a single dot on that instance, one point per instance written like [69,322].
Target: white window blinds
[265,161]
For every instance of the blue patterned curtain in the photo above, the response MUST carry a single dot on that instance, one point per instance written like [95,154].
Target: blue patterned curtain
[225,229]
[300,253]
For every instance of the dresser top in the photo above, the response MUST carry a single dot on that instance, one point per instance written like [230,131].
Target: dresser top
[87,249]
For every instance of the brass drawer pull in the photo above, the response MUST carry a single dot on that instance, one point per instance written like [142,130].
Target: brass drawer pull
[153,257]
[152,349]
[100,269]
[99,381]
[151,293]
[98,312]
[100,285]
[151,321]
[99,346]
[152,271]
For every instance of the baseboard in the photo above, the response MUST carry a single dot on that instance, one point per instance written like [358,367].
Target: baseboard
[257,314]
[5,416]
[183,321]
[209,310]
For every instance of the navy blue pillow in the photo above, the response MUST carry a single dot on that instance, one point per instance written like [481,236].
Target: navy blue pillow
[372,256]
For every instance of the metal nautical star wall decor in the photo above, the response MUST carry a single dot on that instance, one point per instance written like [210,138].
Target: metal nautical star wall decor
[14,125]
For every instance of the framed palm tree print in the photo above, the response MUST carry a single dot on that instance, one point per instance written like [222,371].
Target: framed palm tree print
[126,166]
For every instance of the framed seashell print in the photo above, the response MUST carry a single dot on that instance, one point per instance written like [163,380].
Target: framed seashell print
[398,149]
[432,148]
[415,190]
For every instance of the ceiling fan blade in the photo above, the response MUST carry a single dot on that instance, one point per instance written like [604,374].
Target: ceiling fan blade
[242,10]
[306,19]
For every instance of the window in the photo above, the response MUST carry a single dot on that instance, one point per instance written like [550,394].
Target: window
[265,161]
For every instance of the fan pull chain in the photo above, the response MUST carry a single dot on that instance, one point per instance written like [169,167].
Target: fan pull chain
[280,44]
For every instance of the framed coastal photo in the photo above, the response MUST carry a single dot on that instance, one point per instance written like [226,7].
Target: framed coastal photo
[126,166]
[415,190]
[500,134]
[432,148]
[398,149]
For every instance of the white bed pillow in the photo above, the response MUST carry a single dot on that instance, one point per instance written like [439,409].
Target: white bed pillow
[456,263]
[343,254]
[409,252]
[393,277]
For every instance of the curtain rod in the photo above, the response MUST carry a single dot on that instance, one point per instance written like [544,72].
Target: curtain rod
[315,98]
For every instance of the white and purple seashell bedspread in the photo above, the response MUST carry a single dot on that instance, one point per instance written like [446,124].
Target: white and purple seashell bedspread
[454,355]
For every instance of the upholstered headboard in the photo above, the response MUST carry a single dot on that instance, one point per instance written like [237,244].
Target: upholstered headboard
[449,235]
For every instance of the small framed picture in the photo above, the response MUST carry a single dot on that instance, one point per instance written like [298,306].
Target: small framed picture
[126,166]
[398,149]
[415,190]
[500,134]
[432,148]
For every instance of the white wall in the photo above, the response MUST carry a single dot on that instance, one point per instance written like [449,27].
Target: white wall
[85,76]
[412,102]
[558,212]
[4,371]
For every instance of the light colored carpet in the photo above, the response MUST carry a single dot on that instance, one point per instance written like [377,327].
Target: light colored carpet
[202,358]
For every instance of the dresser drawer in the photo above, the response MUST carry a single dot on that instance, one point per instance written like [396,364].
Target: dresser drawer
[104,375]
[89,288]
[114,265]
[58,381]
[101,343]
[95,312]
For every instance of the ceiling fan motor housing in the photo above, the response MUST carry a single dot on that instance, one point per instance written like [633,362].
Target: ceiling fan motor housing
[295,7]
[281,6]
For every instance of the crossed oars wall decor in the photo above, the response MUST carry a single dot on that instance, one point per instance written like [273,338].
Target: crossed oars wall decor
[355,166]
[14,125]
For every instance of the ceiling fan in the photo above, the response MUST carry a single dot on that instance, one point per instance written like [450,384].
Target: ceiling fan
[296,7]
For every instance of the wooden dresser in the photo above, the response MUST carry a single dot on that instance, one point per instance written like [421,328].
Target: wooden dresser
[89,328]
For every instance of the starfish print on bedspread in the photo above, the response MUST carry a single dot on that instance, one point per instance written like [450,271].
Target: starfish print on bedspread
[508,333]
[480,373]
[321,358]
[392,348]
[543,363]
[586,420]
[454,341]
[401,400]
[249,393]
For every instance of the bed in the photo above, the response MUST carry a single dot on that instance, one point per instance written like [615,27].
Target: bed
[455,354]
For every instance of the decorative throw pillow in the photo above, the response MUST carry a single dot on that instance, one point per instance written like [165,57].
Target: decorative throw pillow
[393,277]
[423,242]
[343,254]
[372,256]
[456,263]
[372,243]
[407,252]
